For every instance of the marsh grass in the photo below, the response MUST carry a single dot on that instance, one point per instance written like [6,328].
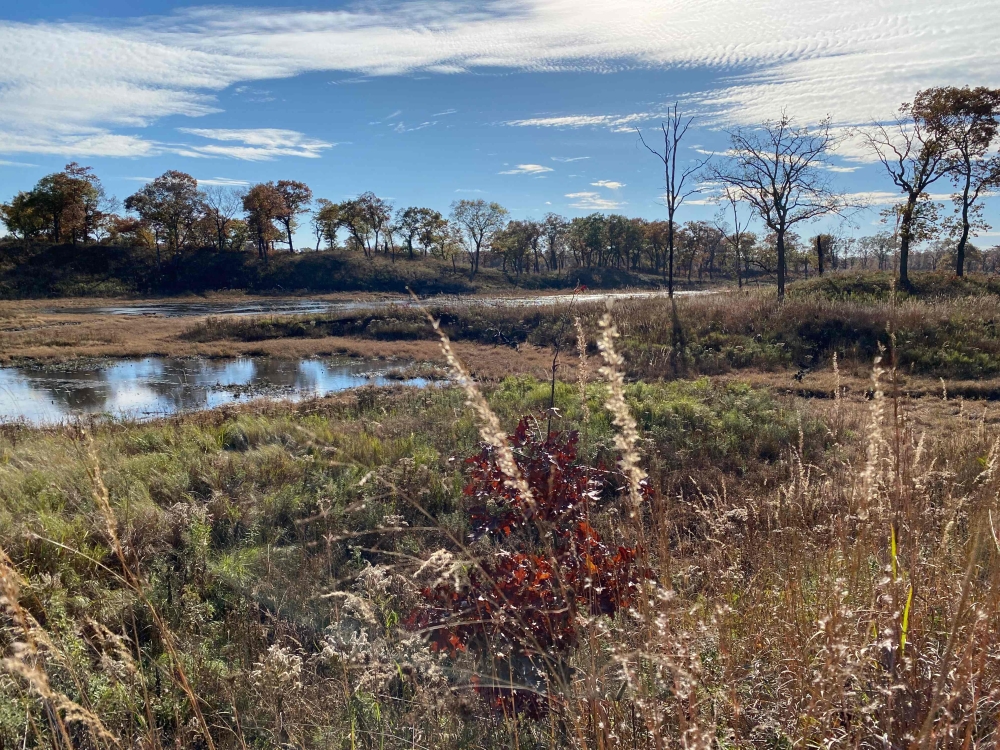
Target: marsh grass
[710,334]
[820,573]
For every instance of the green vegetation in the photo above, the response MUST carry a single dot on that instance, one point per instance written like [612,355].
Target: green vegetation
[882,286]
[241,523]
[109,271]
[270,564]
[709,335]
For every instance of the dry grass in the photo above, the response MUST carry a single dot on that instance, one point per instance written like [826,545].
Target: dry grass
[840,590]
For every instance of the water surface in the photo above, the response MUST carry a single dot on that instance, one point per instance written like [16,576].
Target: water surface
[159,386]
[309,306]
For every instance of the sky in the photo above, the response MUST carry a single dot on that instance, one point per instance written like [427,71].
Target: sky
[531,103]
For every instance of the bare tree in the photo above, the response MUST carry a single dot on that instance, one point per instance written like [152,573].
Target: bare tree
[777,169]
[731,197]
[675,178]
[914,157]
[222,205]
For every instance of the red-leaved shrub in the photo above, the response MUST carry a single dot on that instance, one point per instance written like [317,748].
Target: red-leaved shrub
[540,563]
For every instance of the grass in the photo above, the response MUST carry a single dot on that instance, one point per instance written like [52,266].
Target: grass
[881,285]
[811,571]
[276,542]
[710,335]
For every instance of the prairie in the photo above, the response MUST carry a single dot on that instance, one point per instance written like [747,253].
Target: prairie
[758,525]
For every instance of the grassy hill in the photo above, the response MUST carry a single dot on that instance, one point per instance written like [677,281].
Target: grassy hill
[98,270]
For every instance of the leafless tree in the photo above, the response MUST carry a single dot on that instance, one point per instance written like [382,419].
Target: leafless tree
[676,179]
[731,199]
[222,205]
[777,169]
[914,157]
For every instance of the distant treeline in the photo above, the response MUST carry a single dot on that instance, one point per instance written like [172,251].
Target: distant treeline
[173,217]
[776,172]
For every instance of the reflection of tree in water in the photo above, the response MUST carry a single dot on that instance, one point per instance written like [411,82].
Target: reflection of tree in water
[75,391]
[166,385]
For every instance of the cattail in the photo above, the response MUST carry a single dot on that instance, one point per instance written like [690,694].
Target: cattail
[627,437]
[581,370]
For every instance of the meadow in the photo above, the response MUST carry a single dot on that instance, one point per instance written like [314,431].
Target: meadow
[715,522]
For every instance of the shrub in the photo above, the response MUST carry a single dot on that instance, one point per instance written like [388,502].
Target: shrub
[516,609]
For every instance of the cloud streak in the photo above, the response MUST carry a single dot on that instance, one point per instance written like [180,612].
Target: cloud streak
[68,88]
[253,144]
[590,201]
[528,169]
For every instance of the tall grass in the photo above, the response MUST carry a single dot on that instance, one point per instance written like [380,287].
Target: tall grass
[840,589]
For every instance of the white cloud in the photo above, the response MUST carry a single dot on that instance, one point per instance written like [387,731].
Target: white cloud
[568,159]
[6,163]
[877,198]
[223,182]
[593,201]
[256,144]
[446,112]
[617,123]
[528,169]
[66,87]
[609,184]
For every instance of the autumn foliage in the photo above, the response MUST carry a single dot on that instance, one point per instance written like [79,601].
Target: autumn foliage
[539,566]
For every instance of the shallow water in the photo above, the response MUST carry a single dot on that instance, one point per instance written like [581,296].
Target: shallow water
[160,386]
[307,306]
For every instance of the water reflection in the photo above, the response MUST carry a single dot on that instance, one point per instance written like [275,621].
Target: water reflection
[157,386]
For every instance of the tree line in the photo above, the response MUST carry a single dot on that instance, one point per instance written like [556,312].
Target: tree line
[776,172]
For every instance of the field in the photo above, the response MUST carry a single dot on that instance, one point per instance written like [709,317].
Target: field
[719,522]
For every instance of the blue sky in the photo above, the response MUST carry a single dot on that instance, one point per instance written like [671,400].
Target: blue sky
[531,103]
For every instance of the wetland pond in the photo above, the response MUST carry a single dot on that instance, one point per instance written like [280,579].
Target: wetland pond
[160,386]
[313,306]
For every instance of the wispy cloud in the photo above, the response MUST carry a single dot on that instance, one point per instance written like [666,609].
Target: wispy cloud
[567,159]
[855,58]
[255,144]
[5,163]
[528,169]
[617,123]
[446,112]
[401,127]
[609,184]
[223,182]
[877,198]
[593,202]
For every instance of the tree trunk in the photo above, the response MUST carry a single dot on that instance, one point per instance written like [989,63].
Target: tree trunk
[964,239]
[670,258]
[781,263]
[905,225]
[819,255]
